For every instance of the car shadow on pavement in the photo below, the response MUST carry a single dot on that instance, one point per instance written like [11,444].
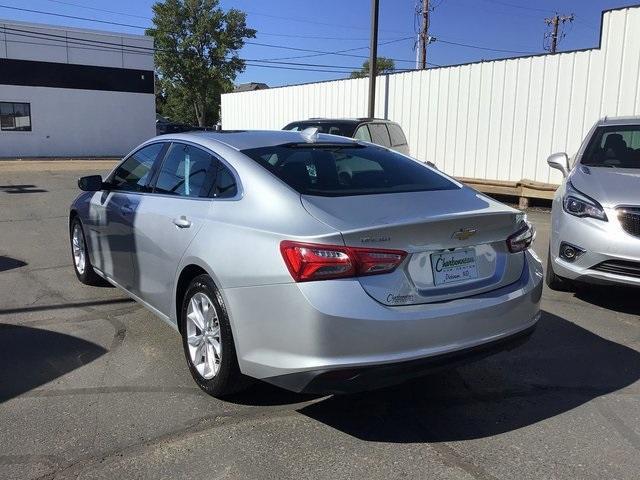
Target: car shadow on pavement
[616,298]
[9,263]
[30,357]
[561,367]
[65,306]
[21,189]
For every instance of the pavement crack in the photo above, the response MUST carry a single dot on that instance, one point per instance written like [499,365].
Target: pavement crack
[50,460]
[74,468]
[618,424]
[453,458]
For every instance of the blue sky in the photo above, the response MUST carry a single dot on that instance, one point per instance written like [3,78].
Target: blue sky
[515,25]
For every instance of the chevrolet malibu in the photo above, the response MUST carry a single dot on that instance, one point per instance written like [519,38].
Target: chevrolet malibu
[595,235]
[314,262]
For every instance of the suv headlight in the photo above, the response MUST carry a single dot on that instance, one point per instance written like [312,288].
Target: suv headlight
[579,205]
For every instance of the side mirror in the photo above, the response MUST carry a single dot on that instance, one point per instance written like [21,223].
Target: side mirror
[91,183]
[559,161]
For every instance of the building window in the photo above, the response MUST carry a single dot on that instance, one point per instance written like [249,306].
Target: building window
[15,117]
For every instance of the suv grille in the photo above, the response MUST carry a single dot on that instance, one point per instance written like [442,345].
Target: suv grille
[630,220]
[620,267]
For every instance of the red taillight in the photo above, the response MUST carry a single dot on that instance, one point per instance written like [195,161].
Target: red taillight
[309,261]
[522,239]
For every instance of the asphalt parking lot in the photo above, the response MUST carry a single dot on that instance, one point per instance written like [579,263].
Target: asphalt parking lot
[94,386]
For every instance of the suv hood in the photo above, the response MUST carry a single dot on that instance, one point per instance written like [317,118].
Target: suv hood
[609,186]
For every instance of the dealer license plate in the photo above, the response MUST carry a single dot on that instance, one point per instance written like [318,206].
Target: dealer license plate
[454,266]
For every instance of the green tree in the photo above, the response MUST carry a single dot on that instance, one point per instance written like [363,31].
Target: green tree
[383,65]
[197,46]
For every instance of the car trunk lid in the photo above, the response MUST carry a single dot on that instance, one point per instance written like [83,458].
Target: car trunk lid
[455,240]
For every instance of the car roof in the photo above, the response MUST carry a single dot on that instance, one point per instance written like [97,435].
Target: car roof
[352,121]
[246,139]
[628,120]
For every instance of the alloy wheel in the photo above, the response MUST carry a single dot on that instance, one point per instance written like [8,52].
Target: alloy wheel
[78,250]
[203,336]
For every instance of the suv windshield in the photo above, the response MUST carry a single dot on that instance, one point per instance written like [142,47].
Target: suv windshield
[344,129]
[342,170]
[614,147]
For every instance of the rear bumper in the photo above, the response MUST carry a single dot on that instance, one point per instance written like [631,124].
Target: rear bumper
[350,380]
[291,334]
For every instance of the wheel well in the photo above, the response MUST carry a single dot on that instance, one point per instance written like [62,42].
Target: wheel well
[188,273]
[72,214]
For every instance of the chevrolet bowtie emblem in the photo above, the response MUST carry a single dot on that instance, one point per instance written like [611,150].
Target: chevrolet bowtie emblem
[464,233]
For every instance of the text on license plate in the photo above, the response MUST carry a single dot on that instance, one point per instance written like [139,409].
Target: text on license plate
[454,266]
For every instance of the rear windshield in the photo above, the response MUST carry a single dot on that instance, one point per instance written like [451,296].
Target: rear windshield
[338,128]
[338,170]
[614,147]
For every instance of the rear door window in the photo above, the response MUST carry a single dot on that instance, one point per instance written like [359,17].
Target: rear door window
[343,169]
[362,133]
[397,135]
[380,134]
[187,171]
[225,185]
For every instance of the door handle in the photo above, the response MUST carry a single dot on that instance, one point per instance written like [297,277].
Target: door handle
[126,210]
[182,222]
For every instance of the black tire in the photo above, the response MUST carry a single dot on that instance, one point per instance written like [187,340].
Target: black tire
[228,379]
[88,276]
[556,282]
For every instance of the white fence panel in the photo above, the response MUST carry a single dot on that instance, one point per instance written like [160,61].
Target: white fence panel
[496,120]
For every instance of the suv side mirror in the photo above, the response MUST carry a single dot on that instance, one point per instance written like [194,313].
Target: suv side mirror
[91,183]
[559,161]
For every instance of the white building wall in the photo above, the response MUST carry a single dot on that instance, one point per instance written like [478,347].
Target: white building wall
[495,120]
[76,123]
[70,121]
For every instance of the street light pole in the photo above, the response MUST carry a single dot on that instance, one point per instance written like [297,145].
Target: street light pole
[373,58]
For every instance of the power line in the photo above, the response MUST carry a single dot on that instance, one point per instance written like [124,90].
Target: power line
[477,47]
[314,52]
[97,44]
[297,69]
[66,38]
[112,46]
[312,37]
[140,27]
[522,7]
[318,37]
[322,52]
[150,50]
[341,51]
[79,5]
[74,17]
[313,22]
[477,5]
[134,48]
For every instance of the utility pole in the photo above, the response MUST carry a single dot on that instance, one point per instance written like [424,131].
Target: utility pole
[424,34]
[373,58]
[554,22]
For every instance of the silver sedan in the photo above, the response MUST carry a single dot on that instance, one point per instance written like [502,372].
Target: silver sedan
[314,262]
[595,235]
